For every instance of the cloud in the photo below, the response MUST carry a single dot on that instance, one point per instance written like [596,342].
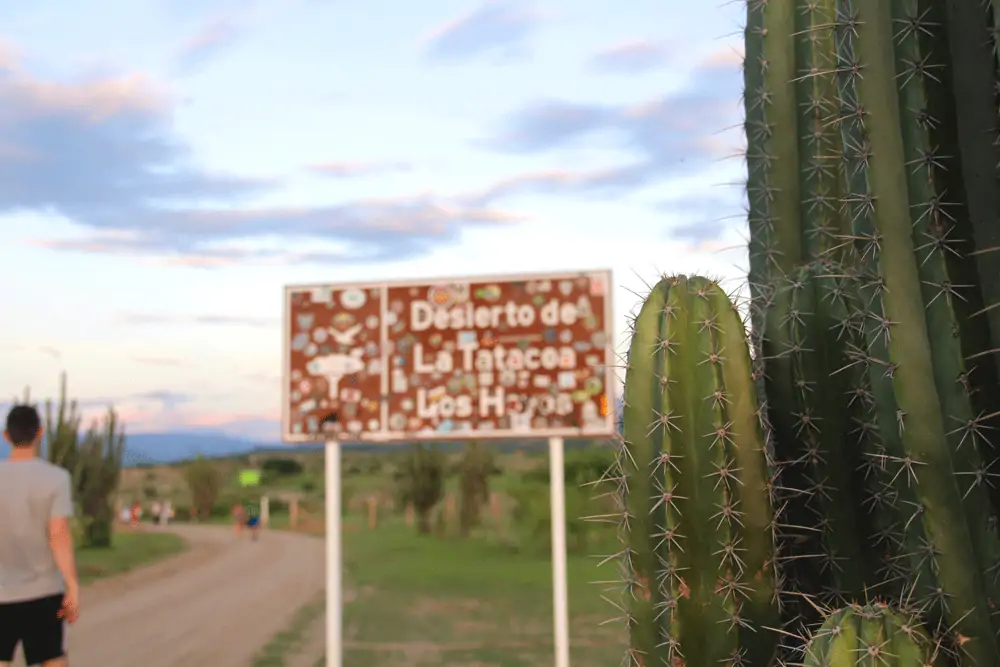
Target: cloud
[210,320]
[45,350]
[358,169]
[495,25]
[263,426]
[272,379]
[703,217]
[100,153]
[166,399]
[636,56]
[376,230]
[158,361]
[212,37]
[606,181]
[671,134]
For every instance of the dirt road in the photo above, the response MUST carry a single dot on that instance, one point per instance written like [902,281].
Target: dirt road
[217,604]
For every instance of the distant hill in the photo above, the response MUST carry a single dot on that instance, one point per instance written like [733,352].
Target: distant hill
[175,446]
[151,448]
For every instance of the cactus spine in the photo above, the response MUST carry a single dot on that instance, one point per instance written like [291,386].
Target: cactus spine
[903,228]
[871,636]
[696,523]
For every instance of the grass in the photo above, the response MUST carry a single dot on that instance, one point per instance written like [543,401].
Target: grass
[427,601]
[289,640]
[128,551]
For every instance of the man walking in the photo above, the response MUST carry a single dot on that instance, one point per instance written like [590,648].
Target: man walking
[39,590]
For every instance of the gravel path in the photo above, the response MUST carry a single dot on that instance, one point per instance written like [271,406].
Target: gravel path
[215,605]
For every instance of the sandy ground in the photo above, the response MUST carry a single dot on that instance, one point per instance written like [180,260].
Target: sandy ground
[216,604]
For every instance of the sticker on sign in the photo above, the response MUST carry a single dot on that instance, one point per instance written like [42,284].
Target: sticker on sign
[488,357]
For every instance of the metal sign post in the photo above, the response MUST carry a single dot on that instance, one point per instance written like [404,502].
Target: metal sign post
[560,596]
[334,557]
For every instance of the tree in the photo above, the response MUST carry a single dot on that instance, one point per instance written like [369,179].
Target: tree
[204,481]
[474,471]
[420,482]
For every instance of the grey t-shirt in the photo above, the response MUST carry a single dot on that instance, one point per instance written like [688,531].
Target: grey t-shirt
[31,493]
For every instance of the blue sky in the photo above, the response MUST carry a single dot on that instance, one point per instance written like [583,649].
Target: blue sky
[166,166]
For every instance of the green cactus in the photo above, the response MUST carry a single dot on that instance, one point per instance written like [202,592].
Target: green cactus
[973,79]
[795,185]
[93,459]
[696,520]
[920,333]
[794,180]
[829,471]
[420,482]
[872,635]
[100,457]
[62,431]
[474,471]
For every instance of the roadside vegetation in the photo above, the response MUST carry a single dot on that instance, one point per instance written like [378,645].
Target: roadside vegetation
[446,548]
[94,455]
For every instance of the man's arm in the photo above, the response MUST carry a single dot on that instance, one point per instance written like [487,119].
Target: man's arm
[61,536]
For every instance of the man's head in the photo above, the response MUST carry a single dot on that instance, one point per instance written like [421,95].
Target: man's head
[24,426]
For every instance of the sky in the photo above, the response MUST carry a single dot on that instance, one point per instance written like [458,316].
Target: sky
[168,166]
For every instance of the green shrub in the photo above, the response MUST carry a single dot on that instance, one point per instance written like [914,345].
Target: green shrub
[281,467]
[533,517]
[582,467]
[204,481]
[420,482]
[277,506]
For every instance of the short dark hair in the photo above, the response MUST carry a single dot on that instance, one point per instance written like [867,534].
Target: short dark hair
[23,425]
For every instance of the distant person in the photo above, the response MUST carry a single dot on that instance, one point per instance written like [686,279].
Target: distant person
[39,589]
[136,514]
[240,517]
[125,515]
[253,523]
[166,513]
[155,510]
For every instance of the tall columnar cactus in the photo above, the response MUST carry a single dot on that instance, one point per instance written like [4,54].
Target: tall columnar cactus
[795,185]
[794,180]
[829,471]
[973,42]
[100,456]
[872,636]
[62,431]
[93,459]
[933,404]
[694,482]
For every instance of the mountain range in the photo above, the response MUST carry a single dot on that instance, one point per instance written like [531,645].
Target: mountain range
[171,447]
[181,445]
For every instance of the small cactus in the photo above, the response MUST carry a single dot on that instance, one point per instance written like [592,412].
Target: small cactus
[872,635]
[696,520]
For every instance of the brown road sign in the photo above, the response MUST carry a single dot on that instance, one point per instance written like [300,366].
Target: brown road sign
[489,357]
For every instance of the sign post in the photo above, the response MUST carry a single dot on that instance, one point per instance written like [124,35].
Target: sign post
[334,557]
[560,595]
[487,358]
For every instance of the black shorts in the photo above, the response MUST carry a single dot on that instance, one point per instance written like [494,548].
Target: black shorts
[35,624]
